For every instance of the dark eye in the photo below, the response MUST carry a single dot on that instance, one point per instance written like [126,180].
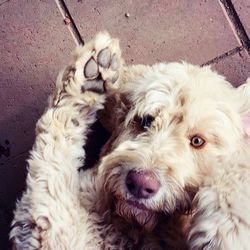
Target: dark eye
[146,121]
[197,141]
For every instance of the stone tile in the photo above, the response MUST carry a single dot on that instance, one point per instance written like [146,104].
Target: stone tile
[161,30]
[236,68]
[34,47]
[242,8]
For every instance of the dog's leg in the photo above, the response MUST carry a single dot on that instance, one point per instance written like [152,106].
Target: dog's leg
[49,215]
[222,217]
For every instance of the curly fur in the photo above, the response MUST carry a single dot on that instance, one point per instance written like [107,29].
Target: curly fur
[204,196]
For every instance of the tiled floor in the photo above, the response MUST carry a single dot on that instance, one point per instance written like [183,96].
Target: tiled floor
[35,43]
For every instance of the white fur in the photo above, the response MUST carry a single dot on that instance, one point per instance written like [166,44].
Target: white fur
[66,209]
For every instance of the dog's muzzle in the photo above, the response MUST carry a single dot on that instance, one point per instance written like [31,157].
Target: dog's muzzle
[141,185]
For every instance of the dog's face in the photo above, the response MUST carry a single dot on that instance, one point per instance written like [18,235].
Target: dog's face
[179,124]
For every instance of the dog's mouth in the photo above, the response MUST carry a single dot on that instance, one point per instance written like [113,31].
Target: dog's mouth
[135,212]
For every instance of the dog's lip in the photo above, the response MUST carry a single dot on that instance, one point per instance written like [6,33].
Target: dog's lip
[136,204]
[136,212]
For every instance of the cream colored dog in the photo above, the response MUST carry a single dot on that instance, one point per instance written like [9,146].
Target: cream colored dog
[175,173]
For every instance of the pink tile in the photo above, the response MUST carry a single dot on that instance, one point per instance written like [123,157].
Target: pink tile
[161,30]
[34,44]
[242,8]
[236,68]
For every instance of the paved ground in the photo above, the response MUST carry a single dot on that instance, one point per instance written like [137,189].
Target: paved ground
[36,38]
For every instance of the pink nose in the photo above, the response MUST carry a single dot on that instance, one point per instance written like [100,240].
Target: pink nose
[142,184]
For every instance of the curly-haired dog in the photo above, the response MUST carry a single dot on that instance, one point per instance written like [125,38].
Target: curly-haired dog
[175,173]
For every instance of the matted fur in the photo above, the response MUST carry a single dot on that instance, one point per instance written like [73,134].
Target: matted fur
[204,196]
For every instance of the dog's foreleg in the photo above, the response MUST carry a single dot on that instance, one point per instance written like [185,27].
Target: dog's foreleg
[222,212]
[49,215]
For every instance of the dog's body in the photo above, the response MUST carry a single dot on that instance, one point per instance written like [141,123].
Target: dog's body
[175,173]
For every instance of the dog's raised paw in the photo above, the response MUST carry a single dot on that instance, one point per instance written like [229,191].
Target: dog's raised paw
[97,65]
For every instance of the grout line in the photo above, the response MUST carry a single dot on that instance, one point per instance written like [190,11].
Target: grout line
[4,2]
[235,23]
[69,21]
[220,57]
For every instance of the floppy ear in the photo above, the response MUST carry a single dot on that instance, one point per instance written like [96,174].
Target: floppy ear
[114,112]
[244,92]
[117,105]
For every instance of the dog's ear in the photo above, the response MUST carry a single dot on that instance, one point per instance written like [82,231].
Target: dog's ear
[118,104]
[114,112]
[244,96]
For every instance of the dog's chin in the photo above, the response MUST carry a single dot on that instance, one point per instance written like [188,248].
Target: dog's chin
[134,212]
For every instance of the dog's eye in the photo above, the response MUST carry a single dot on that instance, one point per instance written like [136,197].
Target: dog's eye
[197,141]
[146,121]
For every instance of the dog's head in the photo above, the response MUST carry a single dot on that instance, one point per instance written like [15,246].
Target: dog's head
[176,125]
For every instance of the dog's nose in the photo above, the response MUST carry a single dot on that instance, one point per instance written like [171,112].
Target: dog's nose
[142,184]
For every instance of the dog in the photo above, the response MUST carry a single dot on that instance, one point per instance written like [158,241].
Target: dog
[175,173]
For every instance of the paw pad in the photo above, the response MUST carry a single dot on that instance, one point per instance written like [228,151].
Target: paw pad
[115,62]
[91,69]
[96,85]
[104,57]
